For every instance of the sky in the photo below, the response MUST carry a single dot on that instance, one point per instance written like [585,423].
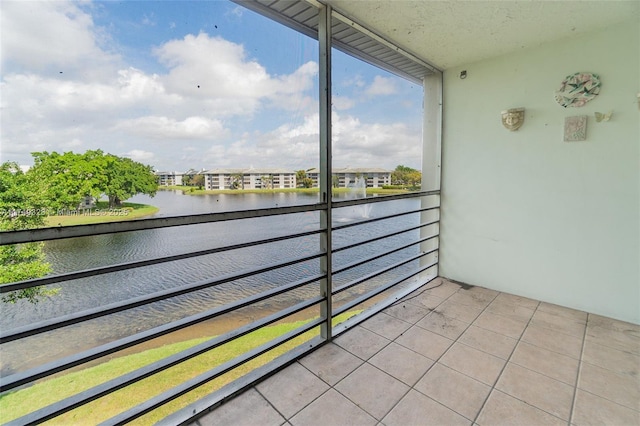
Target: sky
[182,85]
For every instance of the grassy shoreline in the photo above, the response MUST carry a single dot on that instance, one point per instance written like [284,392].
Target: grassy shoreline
[101,213]
[191,190]
[21,402]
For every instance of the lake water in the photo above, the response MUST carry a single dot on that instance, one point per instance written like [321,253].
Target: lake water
[88,252]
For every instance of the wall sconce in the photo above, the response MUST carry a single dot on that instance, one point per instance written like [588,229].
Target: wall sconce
[513,118]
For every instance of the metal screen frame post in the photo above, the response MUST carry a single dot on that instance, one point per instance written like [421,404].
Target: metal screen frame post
[326,287]
[431,155]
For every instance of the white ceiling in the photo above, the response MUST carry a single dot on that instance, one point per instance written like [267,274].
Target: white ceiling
[452,33]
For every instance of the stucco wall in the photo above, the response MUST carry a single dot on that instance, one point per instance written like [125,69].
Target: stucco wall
[525,212]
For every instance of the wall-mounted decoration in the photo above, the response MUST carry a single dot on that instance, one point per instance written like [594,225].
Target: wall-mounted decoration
[513,118]
[603,117]
[578,89]
[575,128]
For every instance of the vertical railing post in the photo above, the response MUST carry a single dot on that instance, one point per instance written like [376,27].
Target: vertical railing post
[324,39]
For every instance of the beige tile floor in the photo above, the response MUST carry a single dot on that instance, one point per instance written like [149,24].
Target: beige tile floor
[450,355]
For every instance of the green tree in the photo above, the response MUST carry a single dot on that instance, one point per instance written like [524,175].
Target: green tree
[122,178]
[307,182]
[267,181]
[406,176]
[302,180]
[236,181]
[187,180]
[198,180]
[68,178]
[301,175]
[22,206]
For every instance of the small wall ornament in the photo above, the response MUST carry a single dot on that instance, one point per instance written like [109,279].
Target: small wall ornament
[513,118]
[603,116]
[575,128]
[578,89]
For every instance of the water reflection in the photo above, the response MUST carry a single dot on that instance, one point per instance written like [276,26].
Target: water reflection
[88,252]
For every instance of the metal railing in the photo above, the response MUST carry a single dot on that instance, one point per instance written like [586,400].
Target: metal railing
[423,258]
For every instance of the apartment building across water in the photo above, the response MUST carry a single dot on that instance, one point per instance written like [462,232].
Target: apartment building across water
[249,179]
[274,178]
[347,176]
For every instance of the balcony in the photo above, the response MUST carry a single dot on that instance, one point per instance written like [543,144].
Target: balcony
[523,213]
[452,354]
[422,349]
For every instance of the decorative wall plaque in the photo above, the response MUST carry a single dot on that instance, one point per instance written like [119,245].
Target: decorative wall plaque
[513,118]
[578,89]
[575,128]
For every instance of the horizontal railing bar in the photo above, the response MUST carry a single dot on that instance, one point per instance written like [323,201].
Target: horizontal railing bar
[376,219]
[388,268]
[379,290]
[376,273]
[203,378]
[191,413]
[206,404]
[141,263]
[45,234]
[149,262]
[136,302]
[382,237]
[56,233]
[19,379]
[383,198]
[378,307]
[68,404]
[130,265]
[61,232]
[380,255]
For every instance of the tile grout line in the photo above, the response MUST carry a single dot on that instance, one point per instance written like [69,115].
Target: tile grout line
[334,385]
[443,354]
[363,362]
[493,387]
[575,389]
[428,369]
[524,367]
[474,420]
[286,420]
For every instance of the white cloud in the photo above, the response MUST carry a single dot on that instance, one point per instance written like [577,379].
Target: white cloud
[140,155]
[204,67]
[356,81]
[53,37]
[149,20]
[355,143]
[341,103]
[187,115]
[32,95]
[43,112]
[217,72]
[381,86]
[169,128]
[358,143]
[74,143]
[236,12]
